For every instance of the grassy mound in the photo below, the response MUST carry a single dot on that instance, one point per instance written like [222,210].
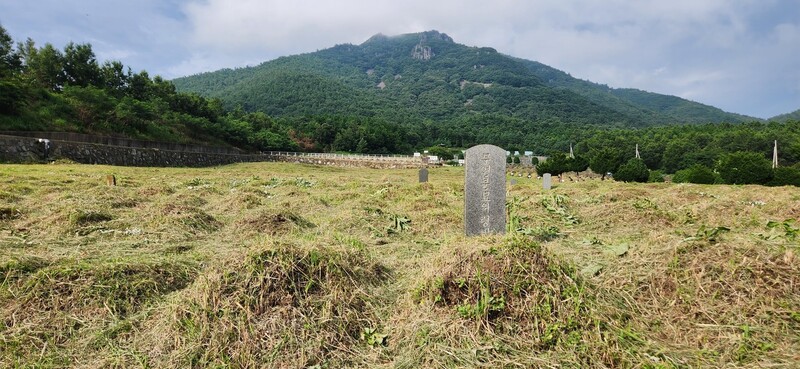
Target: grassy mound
[64,304]
[738,304]
[285,306]
[488,307]
[274,222]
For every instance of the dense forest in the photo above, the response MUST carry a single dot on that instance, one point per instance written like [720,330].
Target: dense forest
[310,103]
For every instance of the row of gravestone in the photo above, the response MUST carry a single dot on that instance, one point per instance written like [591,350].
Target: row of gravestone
[485,189]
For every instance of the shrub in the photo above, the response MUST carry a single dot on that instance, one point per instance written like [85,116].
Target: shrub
[633,171]
[745,167]
[697,173]
[655,176]
[785,176]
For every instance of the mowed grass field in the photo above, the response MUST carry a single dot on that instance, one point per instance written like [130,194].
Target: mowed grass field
[290,266]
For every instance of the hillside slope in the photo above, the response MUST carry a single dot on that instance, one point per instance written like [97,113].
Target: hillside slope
[643,105]
[795,115]
[429,76]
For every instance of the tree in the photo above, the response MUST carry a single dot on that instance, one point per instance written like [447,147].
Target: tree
[675,152]
[745,167]
[11,90]
[80,65]
[9,59]
[577,164]
[114,78]
[633,171]
[556,164]
[140,86]
[43,67]
[604,161]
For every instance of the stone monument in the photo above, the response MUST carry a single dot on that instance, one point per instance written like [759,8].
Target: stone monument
[423,175]
[485,190]
[547,181]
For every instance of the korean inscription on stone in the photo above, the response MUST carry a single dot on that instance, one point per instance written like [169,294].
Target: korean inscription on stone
[485,190]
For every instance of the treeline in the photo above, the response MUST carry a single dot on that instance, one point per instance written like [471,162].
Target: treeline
[711,153]
[45,88]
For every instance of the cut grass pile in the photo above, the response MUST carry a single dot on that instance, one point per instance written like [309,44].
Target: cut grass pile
[281,265]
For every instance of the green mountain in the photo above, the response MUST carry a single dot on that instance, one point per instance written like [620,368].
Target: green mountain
[644,106]
[783,118]
[427,76]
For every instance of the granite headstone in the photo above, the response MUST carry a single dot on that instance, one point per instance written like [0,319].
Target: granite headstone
[547,181]
[526,161]
[485,190]
[423,175]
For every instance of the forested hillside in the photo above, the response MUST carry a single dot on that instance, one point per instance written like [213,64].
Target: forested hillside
[795,115]
[643,106]
[429,76]
[50,89]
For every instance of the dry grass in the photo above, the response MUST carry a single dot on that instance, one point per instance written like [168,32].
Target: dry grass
[280,265]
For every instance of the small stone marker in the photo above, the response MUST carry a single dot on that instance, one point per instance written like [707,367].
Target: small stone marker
[111,180]
[547,181]
[526,161]
[513,182]
[485,190]
[423,175]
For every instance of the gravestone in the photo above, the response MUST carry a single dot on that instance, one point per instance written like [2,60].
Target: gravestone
[423,175]
[485,190]
[111,180]
[547,181]
[513,182]
[525,161]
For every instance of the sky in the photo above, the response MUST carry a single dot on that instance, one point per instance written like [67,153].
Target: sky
[742,56]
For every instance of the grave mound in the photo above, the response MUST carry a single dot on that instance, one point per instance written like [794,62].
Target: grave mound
[285,305]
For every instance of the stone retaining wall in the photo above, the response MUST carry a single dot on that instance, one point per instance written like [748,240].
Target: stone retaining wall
[14,149]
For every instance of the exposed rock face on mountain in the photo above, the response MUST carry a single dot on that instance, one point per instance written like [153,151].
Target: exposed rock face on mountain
[422,52]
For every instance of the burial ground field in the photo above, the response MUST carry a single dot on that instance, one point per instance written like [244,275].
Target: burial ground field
[296,266]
